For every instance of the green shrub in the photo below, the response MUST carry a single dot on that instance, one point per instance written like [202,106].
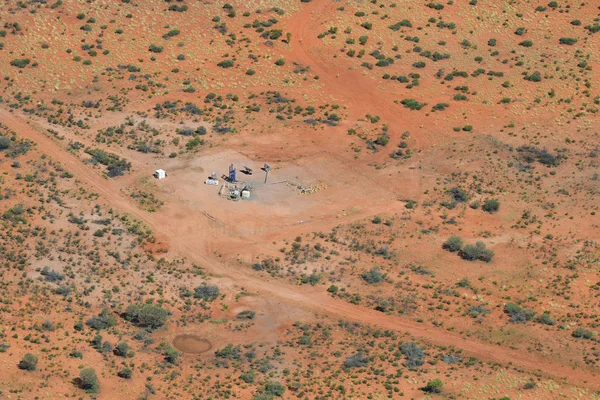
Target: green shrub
[476,252]
[526,43]
[434,386]
[96,342]
[76,354]
[125,373]
[412,104]
[567,41]
[171,33]
[20,62]
[415,356]
[593,28]
[436,6]
[280,62]
[148,315]
[512,308]
[404,23]
[176,8]
[246,315]
[248,377]
[545,319]
[122,349]
[5,142]
[382,140]
[356,361]
[155,49]
[104,320]
[581,333]
[28,362]
[226,64]
[458,194]
[534,77]
[207,292]
[491,205]
[274,389]
[373,276]
[541,155]
[116,166]
[171,355]
[89,380]
[453,244]
[440,107]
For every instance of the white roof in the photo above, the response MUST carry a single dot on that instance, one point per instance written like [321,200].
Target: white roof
[160,171]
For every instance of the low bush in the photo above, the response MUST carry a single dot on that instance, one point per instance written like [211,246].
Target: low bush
[358,360]
[567,41]
[534,77]
[415,356]
[274,389]
[207,292]
[491,205]
[171,355]
[104,320]
[147,315]
[226,64]
[20,62]
[476,252]
[412,104]
[246,315]
[155,49]
[122,349]
[28,362]
[89,380]
[404,23]
[373,276]
[125,373]
[581,333]
[116,166]
[458,194]
[531,154]
[433,386]
[453,244]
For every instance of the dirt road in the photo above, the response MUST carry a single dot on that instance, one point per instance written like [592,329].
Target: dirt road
[313,299]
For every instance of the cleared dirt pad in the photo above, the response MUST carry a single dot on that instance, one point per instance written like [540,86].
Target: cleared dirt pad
[191,344]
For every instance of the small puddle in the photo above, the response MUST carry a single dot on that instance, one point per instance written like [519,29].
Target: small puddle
[191,344]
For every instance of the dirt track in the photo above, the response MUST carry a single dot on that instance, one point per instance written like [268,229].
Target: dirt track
[312,299]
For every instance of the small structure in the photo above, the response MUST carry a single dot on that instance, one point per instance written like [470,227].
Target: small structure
[160,174]
[232,174]
[266,168]
[235,191]
[212,181]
